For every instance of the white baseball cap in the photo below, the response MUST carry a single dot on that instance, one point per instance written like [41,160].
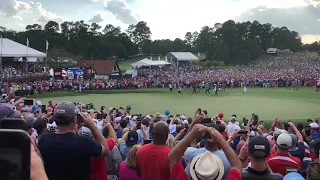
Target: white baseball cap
[284,140]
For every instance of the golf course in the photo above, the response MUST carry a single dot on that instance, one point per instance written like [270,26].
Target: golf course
[283,103]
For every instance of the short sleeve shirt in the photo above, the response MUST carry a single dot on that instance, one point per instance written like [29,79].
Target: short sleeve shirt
[67,156]
[152,161]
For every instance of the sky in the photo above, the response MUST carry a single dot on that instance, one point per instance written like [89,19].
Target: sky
[167,19]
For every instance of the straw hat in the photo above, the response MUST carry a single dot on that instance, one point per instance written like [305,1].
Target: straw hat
[206,166]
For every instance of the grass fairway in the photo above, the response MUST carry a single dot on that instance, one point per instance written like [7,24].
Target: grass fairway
[283,103]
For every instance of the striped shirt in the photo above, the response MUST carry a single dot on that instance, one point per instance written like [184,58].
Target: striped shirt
[278,162]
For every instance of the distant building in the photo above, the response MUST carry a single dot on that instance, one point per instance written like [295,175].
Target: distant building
[101,68]
[273,51]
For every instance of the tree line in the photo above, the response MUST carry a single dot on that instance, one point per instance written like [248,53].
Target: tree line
[231,42]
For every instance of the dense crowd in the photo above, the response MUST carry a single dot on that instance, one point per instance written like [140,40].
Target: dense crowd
[17,71]
[81,141]
[285,70]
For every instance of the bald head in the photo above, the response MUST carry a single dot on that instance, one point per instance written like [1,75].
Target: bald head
[160,133]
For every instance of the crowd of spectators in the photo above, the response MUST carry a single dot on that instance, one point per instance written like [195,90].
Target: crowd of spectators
[285,70]
[18,71]
[81,141]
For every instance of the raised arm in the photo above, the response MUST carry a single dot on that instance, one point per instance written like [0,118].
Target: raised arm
[177,152]
[98,137]
[112,133]
[298,134]
[231,155]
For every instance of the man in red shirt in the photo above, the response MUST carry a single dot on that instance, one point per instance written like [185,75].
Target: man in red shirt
[152,159]
[281,160]
[51,105]
[98,164]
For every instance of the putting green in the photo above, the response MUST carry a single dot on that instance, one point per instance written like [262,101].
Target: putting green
[267,103]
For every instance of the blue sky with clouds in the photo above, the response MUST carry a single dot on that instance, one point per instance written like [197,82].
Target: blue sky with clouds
[166,18]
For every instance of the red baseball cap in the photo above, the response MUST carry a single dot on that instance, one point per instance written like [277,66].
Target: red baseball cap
[221,115]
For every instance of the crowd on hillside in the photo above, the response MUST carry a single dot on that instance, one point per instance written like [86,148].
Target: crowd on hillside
[286,70]
[81,141]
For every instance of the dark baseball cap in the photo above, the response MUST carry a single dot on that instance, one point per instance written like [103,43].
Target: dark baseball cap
[8,111]
[259,147]
[145,122]
[65,109]
[132,139]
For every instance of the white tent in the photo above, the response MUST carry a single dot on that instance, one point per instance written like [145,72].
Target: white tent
[143,62]
[147,62]
[29,60]
[183,56]
[160,63]
[10,48]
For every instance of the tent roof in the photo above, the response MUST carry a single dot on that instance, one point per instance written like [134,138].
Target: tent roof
[29,60]
[148,62]
[13,49]
[184,56]
[160,63]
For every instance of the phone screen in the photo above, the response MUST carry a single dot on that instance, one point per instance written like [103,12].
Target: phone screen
[101,116]
[29,102]
[11,123]
[43,108]
[19,93]
[147,142]
[242,131]
[79,118]
[10,159]
[14,155]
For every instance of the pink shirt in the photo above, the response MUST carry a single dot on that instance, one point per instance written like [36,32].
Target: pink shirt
[127,173]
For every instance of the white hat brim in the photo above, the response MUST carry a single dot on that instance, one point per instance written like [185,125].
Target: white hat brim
[217,159]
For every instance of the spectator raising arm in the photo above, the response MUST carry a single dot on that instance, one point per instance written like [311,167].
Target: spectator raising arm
[112,133]
[297,132]
[181,133]
[145,135]
[124,137]
[235,172]
[98,137]
[226,127]
[177,152]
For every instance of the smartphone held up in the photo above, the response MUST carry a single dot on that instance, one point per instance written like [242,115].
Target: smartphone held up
[14,154]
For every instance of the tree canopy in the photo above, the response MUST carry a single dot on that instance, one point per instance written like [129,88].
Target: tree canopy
[231,42]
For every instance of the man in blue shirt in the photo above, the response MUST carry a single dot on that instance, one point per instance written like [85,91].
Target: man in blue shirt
[211,146]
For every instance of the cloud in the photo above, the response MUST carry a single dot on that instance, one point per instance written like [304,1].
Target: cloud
[13,8]
[315,3]
[45,15]
[97,19]
[121,10]
[303,19]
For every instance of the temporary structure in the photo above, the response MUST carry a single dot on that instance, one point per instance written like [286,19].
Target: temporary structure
[9,48]
[147,62]
[182,56]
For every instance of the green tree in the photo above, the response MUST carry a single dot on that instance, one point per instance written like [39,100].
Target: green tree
[244,56]
[139,34]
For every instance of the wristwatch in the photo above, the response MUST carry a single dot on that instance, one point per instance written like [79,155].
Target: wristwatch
[230,137]
[108,124]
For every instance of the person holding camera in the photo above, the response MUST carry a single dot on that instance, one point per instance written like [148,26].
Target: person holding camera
[66,155]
